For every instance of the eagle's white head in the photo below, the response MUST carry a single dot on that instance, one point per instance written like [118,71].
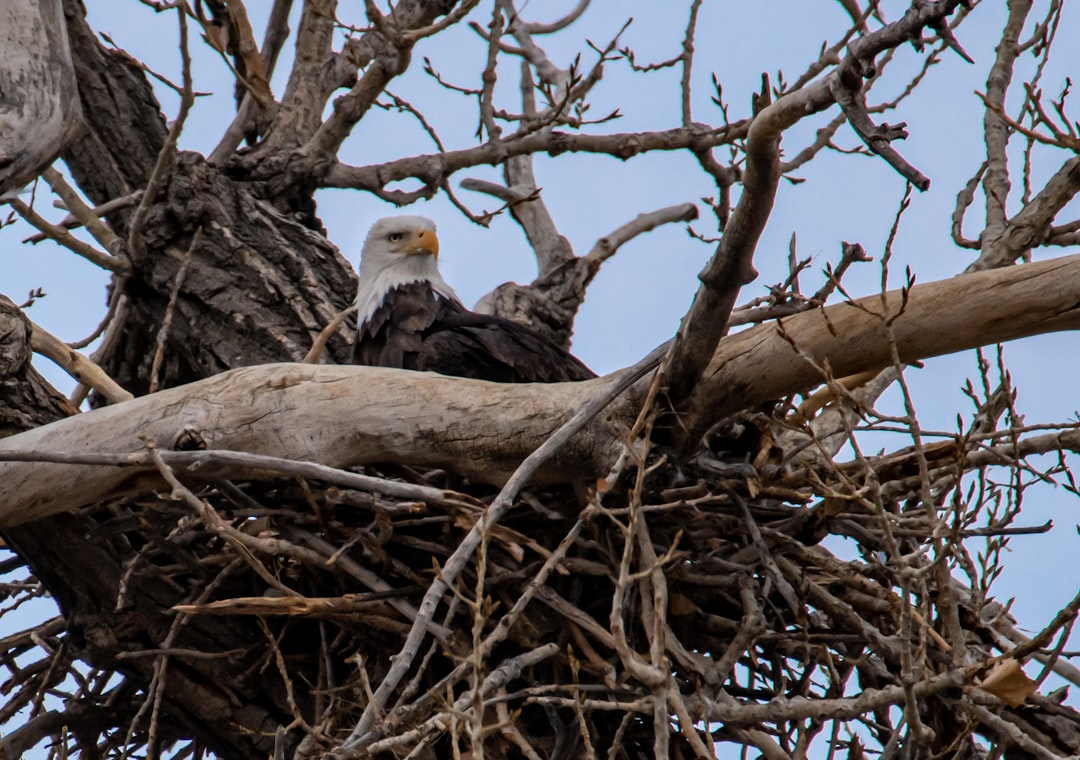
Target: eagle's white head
[398,250]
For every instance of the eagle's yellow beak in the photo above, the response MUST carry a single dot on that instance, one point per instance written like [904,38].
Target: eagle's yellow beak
[424,242]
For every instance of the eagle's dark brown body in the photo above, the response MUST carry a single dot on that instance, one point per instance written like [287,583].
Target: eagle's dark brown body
[416,328]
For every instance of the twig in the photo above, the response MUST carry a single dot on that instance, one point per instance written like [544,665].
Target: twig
[170,309]
[115,300]
[319,345]
[69,241]
[135,242]
[283,671]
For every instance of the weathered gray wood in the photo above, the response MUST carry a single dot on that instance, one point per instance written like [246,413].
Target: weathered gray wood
[337,416]
[342,416]
[39,105]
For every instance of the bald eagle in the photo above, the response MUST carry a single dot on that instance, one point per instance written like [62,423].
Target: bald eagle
[409,317]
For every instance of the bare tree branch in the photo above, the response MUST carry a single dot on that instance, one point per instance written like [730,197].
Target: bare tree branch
[69,241]
[277,31]
[731,267]
[433,169]
[832,334]
[996,183]
[77,365]
[751,367]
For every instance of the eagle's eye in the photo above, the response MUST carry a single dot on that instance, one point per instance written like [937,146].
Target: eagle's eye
[395,237]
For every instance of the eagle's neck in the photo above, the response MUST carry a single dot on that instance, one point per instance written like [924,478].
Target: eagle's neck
[379,278]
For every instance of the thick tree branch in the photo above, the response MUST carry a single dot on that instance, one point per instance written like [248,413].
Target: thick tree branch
[942,317]
[245,122]
[242,410]
[1030,227]
[351,107]
[305,95]
[551,248]
[392,46]
[732,265]
[484,430]
[996,183]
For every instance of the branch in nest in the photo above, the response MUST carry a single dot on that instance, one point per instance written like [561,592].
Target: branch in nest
[319,345]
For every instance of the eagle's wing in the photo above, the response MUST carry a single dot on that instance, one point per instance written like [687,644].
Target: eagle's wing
[415,328]
[467,344]
[394,334]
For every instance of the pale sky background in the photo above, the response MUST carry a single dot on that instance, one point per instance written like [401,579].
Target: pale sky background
[639,296]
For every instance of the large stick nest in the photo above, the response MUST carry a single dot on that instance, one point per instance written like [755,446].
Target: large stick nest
[701,600]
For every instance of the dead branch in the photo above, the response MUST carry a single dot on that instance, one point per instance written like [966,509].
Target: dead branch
[841,333]
[277,28]
[732,265]
[404,416]
[995,181]
[69,241]
[607,246]
[36,125]
[77,365]
[1030,227]
[434,169]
